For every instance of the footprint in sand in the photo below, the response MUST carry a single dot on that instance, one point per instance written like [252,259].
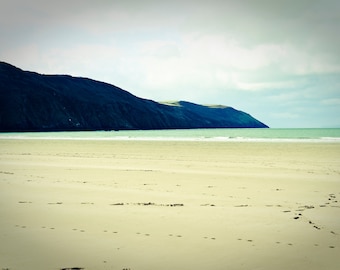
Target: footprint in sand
[55,203]
[72,268]
[242,205]
[211,238]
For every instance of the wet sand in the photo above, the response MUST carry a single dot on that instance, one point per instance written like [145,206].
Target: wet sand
[144,205]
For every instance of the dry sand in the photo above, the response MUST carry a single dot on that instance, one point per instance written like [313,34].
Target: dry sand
[169,205]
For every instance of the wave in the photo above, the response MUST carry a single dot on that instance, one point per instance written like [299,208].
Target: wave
[167,138]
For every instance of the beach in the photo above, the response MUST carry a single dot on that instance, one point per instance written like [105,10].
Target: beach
[138,205]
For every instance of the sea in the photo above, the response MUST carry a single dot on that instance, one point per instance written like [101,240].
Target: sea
[331,135]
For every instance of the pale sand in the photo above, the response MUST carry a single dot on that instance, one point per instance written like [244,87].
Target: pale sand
[107,205]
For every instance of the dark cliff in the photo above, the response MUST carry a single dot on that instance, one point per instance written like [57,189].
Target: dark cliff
[34,102]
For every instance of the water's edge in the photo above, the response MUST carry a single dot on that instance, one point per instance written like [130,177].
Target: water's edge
[218,135]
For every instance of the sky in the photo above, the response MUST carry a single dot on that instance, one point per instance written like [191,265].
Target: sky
[278,60]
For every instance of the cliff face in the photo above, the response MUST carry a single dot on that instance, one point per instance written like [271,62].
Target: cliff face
[33,102]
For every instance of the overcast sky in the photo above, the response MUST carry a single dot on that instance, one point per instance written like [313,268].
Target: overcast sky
[278,60]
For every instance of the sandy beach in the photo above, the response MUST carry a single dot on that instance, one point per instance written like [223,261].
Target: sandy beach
[165,205]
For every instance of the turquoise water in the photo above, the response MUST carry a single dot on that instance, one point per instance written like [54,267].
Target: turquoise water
[272,134]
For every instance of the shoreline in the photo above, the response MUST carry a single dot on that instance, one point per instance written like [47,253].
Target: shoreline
[107,204]
[312,135]
[174,139]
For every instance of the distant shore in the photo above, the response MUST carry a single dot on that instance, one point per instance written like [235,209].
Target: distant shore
[129,204]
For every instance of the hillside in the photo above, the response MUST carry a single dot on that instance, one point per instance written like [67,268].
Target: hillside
[34,102]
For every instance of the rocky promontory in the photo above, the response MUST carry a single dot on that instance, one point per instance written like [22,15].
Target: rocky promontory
[34,102]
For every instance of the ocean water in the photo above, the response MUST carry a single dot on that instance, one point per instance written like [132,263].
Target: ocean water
[224,134]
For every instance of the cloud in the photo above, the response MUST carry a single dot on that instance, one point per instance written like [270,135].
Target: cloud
[213,62]
[265,86]
[331,101]
[161,49]
[286,115]
[78,60]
